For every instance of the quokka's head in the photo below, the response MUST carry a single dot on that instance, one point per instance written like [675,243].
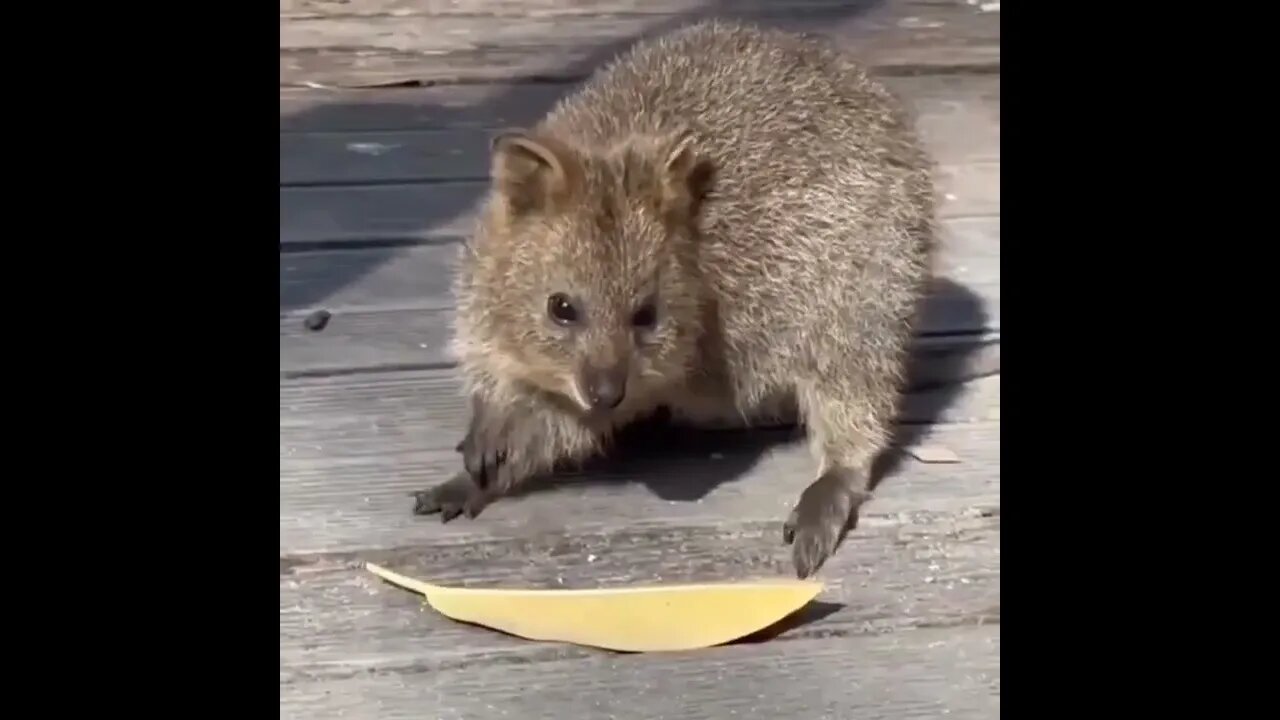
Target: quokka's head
[581,278]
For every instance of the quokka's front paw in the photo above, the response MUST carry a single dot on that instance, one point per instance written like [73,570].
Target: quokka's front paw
[457,496]
[484,449]
[501,450]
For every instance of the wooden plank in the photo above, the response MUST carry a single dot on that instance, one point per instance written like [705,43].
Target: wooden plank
[367,279]
[367,339]
[973,100]
[313,216]
[969,189]
[353,449]
[436,210]
[403,338]
[959,123]
[299,9]
[370,339]
[966,297]
[448,107]
[890,575]
[344,51]
[352,285]
[927,673]
[401,412]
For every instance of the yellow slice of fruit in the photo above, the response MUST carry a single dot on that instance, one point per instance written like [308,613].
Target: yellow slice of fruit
[652,618]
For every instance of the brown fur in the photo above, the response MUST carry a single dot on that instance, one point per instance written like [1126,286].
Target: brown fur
[767,196]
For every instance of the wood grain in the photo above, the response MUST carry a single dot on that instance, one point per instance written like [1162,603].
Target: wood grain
[927,673]
[406,139]
[295,9]
[363,340]
[492,45]
[422,409]
[889,576]
[446,208]
[968,103]
[353,448]
[964,298]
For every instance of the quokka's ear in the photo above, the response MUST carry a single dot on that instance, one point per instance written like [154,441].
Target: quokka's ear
[532,173]
[685,175]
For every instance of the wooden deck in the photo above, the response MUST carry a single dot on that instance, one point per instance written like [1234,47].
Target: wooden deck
[385,111]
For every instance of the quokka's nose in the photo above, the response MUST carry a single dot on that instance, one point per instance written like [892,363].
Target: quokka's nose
[605,387]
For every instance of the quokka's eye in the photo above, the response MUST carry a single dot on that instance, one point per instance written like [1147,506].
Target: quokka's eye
[561,310]
[645,317]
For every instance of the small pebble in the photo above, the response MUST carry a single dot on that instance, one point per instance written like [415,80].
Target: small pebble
[317,320]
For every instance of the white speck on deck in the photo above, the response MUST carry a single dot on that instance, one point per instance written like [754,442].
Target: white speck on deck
[370,148]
